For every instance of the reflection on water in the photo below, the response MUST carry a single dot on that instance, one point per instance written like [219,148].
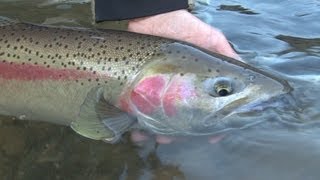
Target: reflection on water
[281,36]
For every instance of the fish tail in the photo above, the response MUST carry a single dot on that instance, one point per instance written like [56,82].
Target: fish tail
[4,21]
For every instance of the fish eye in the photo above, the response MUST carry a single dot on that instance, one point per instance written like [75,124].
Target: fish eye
[223,88]
[219,87]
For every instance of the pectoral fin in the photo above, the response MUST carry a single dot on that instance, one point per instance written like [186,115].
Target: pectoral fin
[100,120]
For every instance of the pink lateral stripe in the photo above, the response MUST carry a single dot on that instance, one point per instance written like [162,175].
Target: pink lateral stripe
[28,72]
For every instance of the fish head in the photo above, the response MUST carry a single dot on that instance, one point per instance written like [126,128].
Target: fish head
[188,91]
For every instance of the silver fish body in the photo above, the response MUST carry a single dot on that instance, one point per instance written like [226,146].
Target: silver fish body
[101,81]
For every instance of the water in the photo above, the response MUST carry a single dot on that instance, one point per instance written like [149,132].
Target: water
[282,36]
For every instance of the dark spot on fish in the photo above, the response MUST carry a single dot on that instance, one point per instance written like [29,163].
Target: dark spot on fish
[217,70]
[8,55]
[196,60]
[181,74]
[89,80]
[209,70]
[84,68]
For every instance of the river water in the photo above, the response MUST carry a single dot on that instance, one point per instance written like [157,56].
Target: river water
[282,35]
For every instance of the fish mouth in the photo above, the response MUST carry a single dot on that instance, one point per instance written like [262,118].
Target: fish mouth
[237,118]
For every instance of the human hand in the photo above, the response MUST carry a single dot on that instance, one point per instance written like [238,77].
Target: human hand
[181,25]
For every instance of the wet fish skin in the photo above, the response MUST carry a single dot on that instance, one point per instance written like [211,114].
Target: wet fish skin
[47,72]
[101,81]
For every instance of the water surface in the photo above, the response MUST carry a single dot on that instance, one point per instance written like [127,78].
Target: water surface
[281,36]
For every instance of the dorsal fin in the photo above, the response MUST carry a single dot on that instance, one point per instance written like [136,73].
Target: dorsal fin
[4,21]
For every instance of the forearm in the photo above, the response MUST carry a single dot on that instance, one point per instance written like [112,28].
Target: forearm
[128,9]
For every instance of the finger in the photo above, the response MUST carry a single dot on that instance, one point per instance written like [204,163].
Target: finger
[162,139]
[219,43]
[138,136]
[215,139]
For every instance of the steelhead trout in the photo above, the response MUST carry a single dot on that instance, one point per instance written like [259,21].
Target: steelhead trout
[104,82]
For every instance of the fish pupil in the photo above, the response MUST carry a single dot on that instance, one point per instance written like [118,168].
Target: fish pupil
[223,92]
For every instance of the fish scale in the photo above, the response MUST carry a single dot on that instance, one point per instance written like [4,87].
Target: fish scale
[104,82]
[52,69]
[113,54]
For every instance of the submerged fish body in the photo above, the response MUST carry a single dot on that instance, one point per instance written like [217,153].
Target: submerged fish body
[101,82]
